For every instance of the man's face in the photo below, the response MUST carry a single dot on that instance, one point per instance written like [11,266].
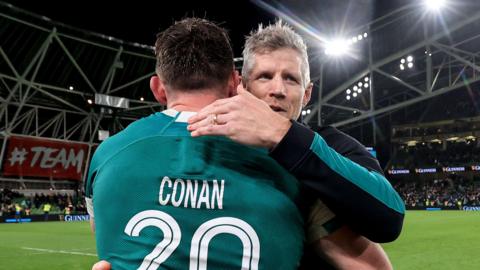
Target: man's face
[276,78]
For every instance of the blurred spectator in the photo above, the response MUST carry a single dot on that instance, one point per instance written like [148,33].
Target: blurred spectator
[18,213]
[46,210]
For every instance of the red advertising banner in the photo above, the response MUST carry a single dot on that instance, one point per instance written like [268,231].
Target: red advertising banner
[28,156]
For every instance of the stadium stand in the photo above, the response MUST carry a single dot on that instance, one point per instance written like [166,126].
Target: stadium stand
[449,193]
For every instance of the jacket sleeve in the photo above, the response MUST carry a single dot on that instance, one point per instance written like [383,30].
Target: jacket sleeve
[348,179]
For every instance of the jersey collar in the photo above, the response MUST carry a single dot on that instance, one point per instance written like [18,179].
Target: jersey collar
[179,116]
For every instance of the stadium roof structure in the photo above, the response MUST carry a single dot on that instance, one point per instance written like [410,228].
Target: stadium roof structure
[49,70]
[50,75]
[61,81]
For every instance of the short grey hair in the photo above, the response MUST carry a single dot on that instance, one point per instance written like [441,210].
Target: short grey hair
[270,38]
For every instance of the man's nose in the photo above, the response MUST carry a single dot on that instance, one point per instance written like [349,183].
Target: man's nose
[278,88]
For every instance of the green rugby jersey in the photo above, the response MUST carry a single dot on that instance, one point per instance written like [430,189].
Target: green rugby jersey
[165,200]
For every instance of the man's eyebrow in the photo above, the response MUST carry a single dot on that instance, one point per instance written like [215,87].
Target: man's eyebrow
[293,74]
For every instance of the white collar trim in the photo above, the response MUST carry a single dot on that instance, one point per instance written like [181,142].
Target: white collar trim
[183,117]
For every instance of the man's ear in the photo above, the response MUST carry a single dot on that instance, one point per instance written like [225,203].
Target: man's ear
[158,89]
[308,94]
[233,82]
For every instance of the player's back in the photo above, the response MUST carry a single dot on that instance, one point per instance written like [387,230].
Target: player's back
[169,201]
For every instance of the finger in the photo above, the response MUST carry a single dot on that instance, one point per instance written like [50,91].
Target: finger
[210,130]
[101,265]
[220,106]
[241,91]
[240,88]
[221,119]
[206,111]
[207,121]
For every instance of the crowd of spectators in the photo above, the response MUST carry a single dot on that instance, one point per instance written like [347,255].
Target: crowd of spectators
[11,201]
[451,192]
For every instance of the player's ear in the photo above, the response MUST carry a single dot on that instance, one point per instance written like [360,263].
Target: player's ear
[233,82]
[158,89]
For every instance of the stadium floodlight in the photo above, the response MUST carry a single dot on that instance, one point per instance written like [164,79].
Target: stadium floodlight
[366,85]
[360,91]
[360,84]
[366,79]
[365,35]
[355,88]
[70,88]
[349,91]
[354,39]
[336,47]
[360,37]
[304,113]
[308,111]
[142,99]
[348,97]
[90,101]
[408,60]
[354,94]
[435,5]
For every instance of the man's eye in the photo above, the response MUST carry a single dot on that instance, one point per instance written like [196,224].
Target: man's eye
[264,77]
[291,79]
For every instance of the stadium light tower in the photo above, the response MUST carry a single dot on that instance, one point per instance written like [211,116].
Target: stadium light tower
[435,5]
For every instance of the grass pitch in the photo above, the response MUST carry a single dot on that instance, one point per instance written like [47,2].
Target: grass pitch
[438,240]
[47,245]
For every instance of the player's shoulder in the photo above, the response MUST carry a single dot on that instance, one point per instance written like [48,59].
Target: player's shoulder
[136,130]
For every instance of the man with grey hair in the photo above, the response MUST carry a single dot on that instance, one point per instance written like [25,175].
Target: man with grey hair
[348,197]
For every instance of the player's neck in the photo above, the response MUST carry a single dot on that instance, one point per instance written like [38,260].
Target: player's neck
[192,102]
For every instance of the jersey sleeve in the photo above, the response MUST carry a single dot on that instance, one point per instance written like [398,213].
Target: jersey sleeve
[346,178]
[90,179]
[92,170]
